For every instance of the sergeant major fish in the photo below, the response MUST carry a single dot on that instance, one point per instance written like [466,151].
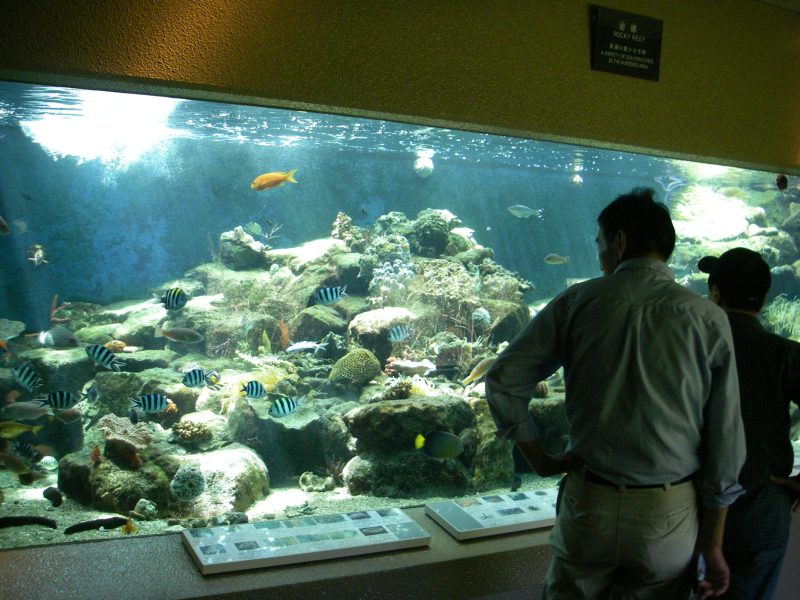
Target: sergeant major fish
[253,389]
[27,377]
[398,333]
[61,400]
[152,403]
[174,299]
[284,406]
[330,295]
[198,378]
[102,356]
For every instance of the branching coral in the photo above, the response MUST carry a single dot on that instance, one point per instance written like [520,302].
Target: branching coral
[190,433]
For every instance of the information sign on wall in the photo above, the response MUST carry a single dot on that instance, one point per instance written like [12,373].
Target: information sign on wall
[626,43]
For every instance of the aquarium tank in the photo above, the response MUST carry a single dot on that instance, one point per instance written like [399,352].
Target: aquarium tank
[218,312]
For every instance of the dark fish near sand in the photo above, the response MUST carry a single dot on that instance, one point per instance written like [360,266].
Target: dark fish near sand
[524,212]
[330,295]
[58,337]
[106,523]
[179,334]
[27,377]
[27,520]
[102,356]
[439,444]
[174,299]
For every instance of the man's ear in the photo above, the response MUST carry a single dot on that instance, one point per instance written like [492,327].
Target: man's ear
[620,243]
[713,294]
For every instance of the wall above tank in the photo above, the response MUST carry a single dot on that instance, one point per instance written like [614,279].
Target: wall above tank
[725,91]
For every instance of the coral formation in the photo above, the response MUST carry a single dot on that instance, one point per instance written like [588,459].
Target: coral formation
[188,482]
[355,368]
[191,433]
[390,281]
[354,236]
[398,389]
[429,234]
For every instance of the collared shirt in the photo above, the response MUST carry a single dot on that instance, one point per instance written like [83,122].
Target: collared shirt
[651,387]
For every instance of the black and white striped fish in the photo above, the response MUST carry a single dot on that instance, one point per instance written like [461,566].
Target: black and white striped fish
[102,356]
[174,299]
[398,333]
[253,389]
[284,406]
[23,449]
[61,400]
[199,378]
[152,403]
[329,295]
[27,377]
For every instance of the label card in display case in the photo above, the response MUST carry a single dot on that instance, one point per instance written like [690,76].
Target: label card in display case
[481,516]
[304,539]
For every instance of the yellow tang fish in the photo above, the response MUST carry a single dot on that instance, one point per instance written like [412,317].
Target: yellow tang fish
[11,429]
[268,181]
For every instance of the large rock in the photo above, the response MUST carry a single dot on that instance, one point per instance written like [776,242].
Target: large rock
[289,445]
[384,428]
[411,474]
[492,464]
[240,251]
[235,478]
[315,322]
[370,329]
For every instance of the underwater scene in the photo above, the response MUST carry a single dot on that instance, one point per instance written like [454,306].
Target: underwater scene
[212,313]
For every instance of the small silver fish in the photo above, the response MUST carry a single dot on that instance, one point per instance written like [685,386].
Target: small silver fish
[525,212]
[556,259]
[306,346]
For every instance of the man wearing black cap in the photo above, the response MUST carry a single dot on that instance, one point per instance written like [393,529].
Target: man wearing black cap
[757,527]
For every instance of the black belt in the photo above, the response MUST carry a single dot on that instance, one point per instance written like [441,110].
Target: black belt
[595,478]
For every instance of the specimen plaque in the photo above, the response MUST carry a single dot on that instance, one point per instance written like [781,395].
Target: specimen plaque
[481,516]
[304,539]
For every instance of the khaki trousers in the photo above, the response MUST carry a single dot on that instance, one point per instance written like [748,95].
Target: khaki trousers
[619,543]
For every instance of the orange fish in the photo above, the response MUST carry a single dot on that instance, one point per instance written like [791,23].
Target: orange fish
[268,181]
[284,334]
[129,527]
[95,458]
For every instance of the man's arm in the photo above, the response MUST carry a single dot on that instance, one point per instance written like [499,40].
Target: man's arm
[547,465]
[709,544]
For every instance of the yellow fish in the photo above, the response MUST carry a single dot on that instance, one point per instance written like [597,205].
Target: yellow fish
[479,370]
[11,429]
[267,181]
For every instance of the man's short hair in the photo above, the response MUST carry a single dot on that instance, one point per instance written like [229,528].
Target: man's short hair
[646,223]
[742,276]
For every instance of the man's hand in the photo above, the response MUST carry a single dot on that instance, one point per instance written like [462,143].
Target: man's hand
[793,484]
[547,465]
[717,577]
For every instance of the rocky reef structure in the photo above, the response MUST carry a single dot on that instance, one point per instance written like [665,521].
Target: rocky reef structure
[361,390]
